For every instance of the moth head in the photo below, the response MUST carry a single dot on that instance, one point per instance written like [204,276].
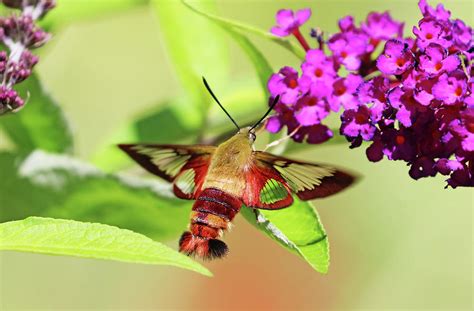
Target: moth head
[248,133]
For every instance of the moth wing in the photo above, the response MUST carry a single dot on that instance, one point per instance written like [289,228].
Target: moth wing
[184,166]
[307,180]
[265,188]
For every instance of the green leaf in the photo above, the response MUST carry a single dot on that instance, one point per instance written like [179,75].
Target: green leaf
[90,240]
[246,29]
[165,125]
[297,228]
[196,48]
[41,124]
[260,63]
[70,11]
[59,186]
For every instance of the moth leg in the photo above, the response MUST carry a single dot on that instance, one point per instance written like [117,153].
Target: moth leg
[279,141]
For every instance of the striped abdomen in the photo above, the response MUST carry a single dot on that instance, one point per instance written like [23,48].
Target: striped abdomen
[211,215]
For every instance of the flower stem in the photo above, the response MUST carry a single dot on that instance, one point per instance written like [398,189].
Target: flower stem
[301,39]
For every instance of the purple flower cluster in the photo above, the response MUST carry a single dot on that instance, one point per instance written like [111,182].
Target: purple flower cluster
[309,97]
[19,34]
[413,102]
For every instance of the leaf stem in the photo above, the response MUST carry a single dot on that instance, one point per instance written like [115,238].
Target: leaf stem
[245,29]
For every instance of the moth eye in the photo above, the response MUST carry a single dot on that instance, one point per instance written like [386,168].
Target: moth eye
[252,136]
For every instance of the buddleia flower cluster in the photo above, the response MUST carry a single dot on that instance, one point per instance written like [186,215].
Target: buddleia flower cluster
[19,34]
[412,101]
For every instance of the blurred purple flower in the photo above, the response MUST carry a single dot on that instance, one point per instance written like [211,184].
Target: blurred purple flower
[19,33]
[34,8]
[9,100]
[22,30]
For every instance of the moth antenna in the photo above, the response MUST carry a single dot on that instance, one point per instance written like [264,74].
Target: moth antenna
[217,101]
[275,101]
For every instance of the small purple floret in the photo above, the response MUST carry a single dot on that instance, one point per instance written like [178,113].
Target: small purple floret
[289,21]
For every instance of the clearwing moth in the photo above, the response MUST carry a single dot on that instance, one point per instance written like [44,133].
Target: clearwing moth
[221,179]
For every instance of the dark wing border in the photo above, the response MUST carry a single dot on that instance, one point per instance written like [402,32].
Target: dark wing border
[146,161]
[333,181]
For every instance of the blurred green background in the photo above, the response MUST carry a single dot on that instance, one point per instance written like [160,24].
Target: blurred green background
[396,243]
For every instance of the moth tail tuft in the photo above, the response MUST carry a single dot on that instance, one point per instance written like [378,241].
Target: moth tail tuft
[186,243]
[217,248]
[204,248]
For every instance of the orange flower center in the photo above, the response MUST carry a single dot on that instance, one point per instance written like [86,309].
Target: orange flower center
[400,62]
[438,66]
[360,118]
[374,42]
[292,84]
[470,126]
[311,102]
[458,91]
[318,72]
[400,139]
[341,90]
[429,36]
[344,54]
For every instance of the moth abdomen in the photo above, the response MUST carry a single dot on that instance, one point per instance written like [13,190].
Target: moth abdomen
[211,215]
